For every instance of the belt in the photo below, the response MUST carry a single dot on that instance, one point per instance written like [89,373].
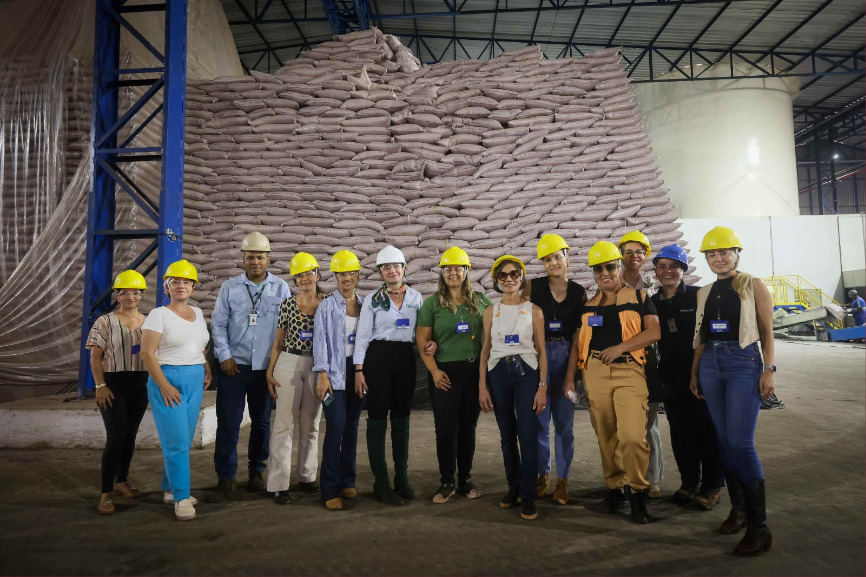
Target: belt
[557,340]
[298,352]
[512,358]
[620,359]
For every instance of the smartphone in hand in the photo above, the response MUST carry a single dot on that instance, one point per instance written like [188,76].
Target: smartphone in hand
[329,397]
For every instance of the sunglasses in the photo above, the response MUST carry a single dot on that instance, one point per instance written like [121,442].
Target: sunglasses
[610,267]
[513,275]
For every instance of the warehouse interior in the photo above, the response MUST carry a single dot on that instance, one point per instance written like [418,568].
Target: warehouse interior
[137,133]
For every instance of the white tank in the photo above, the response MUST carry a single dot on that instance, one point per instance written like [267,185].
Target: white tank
[725,147]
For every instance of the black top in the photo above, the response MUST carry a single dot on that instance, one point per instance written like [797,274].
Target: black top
[723,304]
[609,334]
[568,311]
[677,320]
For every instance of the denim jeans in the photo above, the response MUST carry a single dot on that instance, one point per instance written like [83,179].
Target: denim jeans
[512,395]
[246,387]
[176,425]
[562,410]
[341,438]
[729,378]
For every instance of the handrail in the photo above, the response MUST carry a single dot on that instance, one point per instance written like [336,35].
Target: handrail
[794,290]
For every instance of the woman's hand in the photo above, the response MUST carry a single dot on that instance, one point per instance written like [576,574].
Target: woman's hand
[272,384]
[441,380]
[360,385]
[539,403]
[695,387]
[104,397]
[170,395]
[323,385]
[208,377]
[767,385]
[484,399]
[568,387]
[430,348]
[608,355]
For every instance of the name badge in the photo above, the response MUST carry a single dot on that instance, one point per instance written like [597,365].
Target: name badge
[254,320]
[719,326]
[554,326]
[672,325]
[306,335]
[462,327]
[351,339]
[512,340]
[136,349]
[595,321]
[403,323]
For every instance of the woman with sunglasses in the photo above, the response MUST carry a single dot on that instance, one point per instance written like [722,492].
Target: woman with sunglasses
[560,299]
[173,341]
[616,324]
[385,372]
[733,314]
[513,366]
[333,346]
[291,365]
[121,385]
[452,318]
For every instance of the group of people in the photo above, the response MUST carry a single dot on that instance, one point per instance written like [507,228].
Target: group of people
[635,342]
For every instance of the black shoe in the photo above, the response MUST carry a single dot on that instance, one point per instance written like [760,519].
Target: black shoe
[443,493]
[282,498]
[612,501]
[225,491]
[527,510]
[310,487]
[468,488]
[256,482]
[511,499]
[637,500]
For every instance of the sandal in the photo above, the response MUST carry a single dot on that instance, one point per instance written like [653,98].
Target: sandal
[129,492]
[469,489]
[443,493]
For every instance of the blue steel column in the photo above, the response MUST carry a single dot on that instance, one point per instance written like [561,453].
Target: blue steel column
[174,99]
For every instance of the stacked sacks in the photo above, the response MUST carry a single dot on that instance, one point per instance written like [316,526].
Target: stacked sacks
[354,145]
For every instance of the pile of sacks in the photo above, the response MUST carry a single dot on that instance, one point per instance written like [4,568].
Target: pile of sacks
[355,145]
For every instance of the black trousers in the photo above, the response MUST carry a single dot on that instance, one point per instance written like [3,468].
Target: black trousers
[122,420]
[389,369]
[693,439]
[455,413]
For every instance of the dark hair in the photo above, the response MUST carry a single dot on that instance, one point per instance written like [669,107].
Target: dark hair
[499,268]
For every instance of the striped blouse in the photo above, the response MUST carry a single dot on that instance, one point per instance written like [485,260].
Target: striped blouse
[120,346]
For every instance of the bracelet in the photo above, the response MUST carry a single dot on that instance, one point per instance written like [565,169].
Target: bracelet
[359,370]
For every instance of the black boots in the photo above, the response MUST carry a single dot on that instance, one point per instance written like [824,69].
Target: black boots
[758,538]
[637,500]
[737,518]
[612,501]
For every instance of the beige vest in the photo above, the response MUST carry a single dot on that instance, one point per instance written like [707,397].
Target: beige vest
[748,317]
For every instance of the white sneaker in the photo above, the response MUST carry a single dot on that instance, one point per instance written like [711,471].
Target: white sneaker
[184,510]
[168,499]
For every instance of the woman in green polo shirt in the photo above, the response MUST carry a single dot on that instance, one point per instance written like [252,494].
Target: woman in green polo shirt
[452,318]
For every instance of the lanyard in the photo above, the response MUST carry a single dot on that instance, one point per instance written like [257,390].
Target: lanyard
[516,318]
[256,300]
[720,295]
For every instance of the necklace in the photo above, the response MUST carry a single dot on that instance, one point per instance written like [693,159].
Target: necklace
[519,312]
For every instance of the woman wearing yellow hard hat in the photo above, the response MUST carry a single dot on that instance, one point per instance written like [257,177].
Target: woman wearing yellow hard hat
[333,346]
[452,318]
[291,371]
[173,346]
[560,299]
[733,314]
[121,385]
[616,324]
[513,366]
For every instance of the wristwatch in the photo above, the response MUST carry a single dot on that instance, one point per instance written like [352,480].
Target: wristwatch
[99,386]
[771,367]
[542,384]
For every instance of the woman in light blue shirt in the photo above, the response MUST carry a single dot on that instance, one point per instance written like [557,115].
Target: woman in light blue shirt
[333,346]
[385,372]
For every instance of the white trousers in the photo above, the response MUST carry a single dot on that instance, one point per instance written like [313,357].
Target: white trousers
[656,471]
[296,399]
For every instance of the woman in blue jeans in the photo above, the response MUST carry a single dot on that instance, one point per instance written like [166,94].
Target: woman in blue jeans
[512,360]
[733,314]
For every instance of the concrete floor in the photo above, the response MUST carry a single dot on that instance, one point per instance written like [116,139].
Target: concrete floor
[812,452]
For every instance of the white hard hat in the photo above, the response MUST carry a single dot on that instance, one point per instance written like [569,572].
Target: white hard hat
[255,242]
[390,254]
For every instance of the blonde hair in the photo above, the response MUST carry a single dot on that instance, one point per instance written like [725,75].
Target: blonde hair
[443,297]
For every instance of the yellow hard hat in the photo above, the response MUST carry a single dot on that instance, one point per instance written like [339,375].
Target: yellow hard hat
[301,263]
[344,261]
[603,251]
[454,256]
[130,279]
[256,242]
[181,269]
[549,244]
[719,238]
[636,236]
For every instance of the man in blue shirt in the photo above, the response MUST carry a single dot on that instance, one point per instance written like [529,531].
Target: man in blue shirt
[243,326]
[858,308]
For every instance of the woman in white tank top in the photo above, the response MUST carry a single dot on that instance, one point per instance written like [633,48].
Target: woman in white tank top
[513,368]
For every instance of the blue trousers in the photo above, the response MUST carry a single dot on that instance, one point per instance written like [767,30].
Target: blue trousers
[562,410]
[729,378]
[512,395]
[341,438]
[176,425]
[233,393]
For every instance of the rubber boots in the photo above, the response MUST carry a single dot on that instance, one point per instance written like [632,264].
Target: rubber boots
[737,518]
[400,449]
[758,538]
[637,500]
[376,429]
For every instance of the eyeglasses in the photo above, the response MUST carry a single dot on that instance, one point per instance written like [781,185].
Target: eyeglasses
[181,282]
[638,252]
[610,267]
[724,253]
[348,274]
[392,266]
[307,274]
[129,293]
[452,269]
[513,275]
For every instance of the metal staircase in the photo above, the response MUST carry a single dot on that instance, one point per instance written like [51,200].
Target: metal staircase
[794,293]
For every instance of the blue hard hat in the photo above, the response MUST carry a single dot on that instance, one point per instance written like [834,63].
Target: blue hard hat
[673,252]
